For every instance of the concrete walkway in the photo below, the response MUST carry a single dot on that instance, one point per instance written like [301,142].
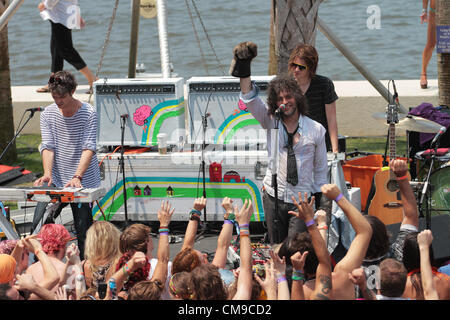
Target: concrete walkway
[358,100]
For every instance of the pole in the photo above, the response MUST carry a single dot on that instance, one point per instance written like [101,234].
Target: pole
[9,12]
[356,63]
[163,43]
[134,38]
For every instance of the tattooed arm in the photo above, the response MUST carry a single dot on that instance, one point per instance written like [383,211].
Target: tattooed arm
[322,290]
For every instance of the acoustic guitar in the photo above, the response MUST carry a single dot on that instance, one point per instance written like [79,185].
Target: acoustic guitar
[387,204]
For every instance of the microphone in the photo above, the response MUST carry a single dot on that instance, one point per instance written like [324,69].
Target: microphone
[35,109]
[395,96]
[279,109]
[124,116]
[438,135]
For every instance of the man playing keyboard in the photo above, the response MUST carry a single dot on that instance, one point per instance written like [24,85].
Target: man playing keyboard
[69,131]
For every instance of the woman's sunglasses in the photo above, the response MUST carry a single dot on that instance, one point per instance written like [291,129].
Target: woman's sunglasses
[300,66]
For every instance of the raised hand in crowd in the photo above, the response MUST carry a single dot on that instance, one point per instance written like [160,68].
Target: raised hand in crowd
[269,283]
[280,273]
[244,284]
[409,202]
[323,284]
[298,260]
[424,240]
[343,288]
[224,239]
[358,278]
[194,220]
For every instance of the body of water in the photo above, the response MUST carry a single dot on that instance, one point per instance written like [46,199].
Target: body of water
[385,35]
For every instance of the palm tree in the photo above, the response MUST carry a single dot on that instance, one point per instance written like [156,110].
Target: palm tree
[292,22]
[443,59]
[6,111]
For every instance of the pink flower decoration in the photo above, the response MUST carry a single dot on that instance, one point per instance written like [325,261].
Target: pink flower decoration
[141,114]
[242,105]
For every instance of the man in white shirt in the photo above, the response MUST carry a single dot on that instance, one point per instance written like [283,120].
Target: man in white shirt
[302,156]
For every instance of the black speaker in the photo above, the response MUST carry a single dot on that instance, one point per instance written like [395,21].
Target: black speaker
[440,228]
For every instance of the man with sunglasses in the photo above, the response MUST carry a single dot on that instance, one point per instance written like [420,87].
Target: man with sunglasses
[319,91]
[69,132]
[302,153]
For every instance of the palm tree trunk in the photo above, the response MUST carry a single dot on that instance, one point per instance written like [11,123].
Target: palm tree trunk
[443,59]
[292,22]
[6,111]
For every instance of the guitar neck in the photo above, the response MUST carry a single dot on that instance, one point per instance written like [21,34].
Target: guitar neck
[392,143]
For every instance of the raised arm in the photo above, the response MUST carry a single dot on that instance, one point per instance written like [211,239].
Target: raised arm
[424,240]
[410,211]
[280,273]
[244,284]
[51,277]
[194,220]
[363,230]
[305,212]
[243,54]
[269,284]
[138,260]
[298,276]
[164,216]
[224,240]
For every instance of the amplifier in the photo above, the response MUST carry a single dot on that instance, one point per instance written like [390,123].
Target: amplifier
[152,106]
[214,102]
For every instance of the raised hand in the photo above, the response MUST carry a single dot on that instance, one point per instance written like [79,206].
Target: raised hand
[165,214]
[200,203]
[331,191]
[243,54]
[298,260]
[400,167]
[305,209]
[424,238]
[244,215]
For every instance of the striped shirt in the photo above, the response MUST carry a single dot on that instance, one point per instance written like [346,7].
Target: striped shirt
[67,137]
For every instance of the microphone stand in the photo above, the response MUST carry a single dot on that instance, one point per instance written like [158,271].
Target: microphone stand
[17,133]
[205,125]
[425,189]
[123,119]
[275,154]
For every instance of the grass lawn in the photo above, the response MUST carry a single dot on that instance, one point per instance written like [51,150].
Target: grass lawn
[375,145]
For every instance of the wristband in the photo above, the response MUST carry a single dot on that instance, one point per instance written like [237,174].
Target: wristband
[163,234]
[339,197]
[227,222]
[403,177]
[163,230]
[281,279]
[229,216]
[310,223]
[195,215]
[78,177]
[243,225]
[126,270]
[297,275]
[323,228]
